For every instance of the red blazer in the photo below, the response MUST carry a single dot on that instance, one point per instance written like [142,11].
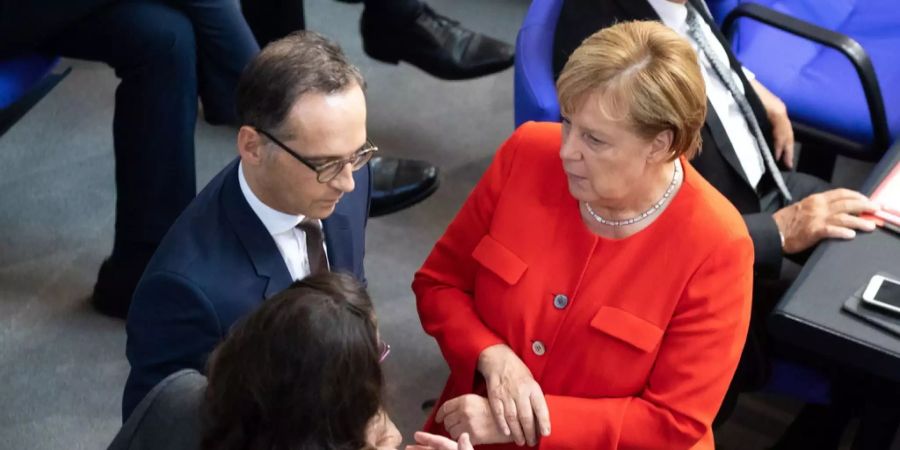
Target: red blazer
[633,341]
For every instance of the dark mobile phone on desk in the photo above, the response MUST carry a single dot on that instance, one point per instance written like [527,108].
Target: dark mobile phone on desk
[883,293]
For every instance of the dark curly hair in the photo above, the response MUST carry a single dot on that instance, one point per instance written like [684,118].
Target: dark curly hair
[301,372]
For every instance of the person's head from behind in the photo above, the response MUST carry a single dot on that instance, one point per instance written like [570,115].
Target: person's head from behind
[301,372]
[302,108]
[632,99]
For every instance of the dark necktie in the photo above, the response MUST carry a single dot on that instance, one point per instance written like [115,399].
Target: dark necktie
[724,73]
[315,246]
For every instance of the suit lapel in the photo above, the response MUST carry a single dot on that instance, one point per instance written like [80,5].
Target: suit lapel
[723,143]
[716,128]
[338,240]
[254,237]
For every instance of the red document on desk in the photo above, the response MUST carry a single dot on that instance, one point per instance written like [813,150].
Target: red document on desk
[887,194]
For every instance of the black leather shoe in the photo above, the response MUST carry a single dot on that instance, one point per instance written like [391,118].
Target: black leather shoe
[435,44]
[400,183]
[118,277]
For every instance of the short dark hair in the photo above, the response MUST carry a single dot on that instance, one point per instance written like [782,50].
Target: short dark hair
[301,372]
[284,70]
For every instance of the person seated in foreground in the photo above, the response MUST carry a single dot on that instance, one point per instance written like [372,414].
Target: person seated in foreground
[594,290]
[301,372]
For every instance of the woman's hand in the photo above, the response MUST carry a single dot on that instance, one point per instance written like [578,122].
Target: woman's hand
[782,130]
[516,399]
[381,432]
[470,414]
[426,441]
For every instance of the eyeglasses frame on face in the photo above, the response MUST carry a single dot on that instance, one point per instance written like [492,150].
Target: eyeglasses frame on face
[367,151]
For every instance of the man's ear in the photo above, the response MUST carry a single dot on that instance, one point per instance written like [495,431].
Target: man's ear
[661,147]
[250,146]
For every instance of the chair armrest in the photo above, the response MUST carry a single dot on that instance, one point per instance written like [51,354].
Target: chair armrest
[842,43]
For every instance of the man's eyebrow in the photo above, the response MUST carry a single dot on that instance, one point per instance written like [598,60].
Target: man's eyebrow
[327,159]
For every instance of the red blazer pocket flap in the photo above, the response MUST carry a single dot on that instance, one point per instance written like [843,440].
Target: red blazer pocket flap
[499,260]
[627,327]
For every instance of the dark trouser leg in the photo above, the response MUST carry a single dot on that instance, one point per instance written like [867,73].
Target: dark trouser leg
[152,49]
[800,185]
[395,11]
[803,185]
[273,19]
[224,47]
[880,414]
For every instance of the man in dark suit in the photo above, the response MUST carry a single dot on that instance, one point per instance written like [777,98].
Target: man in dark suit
[258,225]
[787,213]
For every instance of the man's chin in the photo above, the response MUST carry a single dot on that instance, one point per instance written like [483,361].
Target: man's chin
[322,211]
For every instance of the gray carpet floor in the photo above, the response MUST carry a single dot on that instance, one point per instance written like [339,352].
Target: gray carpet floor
[62,365]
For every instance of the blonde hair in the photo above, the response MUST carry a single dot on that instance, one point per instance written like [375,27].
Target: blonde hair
[647,74]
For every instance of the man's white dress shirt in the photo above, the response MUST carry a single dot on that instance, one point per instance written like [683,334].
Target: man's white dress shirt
[290,240]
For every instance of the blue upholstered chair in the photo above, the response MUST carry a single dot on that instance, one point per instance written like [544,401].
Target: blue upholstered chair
[535,89]
[834,63]
[24,79]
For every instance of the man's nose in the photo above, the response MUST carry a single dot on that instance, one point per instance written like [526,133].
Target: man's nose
[344,180]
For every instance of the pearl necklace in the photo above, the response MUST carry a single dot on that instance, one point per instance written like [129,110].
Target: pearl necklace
[645,214]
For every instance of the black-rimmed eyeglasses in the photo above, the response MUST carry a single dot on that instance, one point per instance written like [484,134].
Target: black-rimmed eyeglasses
[330,169]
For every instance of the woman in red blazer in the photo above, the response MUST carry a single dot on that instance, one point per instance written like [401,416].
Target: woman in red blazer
[594,291]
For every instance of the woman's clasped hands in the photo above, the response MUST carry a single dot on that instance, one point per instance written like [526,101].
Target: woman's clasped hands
[515,409]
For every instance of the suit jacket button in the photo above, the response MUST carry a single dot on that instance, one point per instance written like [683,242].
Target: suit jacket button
[538,348]
[560,301]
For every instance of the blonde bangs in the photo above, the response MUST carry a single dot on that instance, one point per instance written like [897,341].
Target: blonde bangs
[645,74]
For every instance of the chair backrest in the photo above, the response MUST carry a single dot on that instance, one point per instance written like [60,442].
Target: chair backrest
[20,74]
[859,115]
[535,89]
